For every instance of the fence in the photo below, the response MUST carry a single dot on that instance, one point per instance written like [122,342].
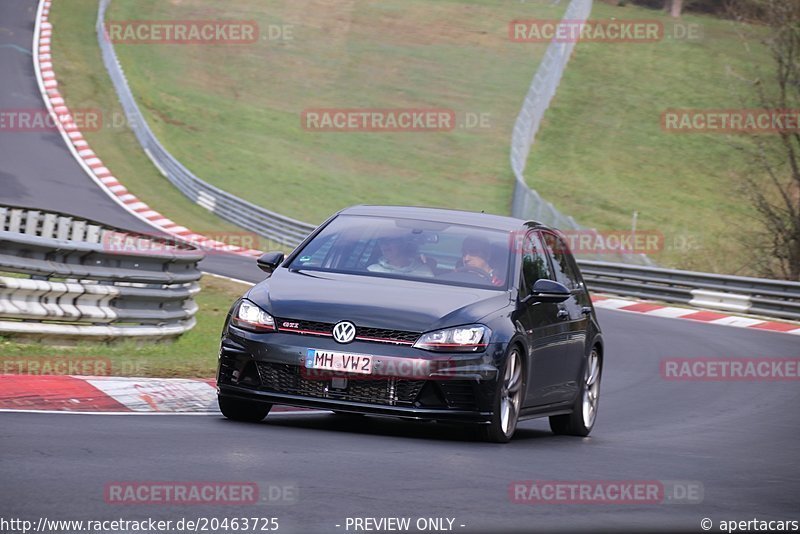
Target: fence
[526,202]
[66,277]
[263,222]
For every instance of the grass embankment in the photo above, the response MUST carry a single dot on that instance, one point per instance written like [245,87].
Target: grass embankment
[602,153]
[232,113]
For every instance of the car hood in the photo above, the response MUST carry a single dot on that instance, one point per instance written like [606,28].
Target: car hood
[374,302]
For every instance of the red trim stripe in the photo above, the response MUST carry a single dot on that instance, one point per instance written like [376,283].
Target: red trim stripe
[382,340]
[311,332]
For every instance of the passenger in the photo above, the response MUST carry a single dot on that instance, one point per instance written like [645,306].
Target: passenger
[399,256]
[476,254]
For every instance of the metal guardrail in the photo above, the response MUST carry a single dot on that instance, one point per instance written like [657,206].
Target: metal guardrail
[83,279]
[757,296]
[261,221]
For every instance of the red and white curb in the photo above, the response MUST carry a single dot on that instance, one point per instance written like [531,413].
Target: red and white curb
[88,160]
[121,395]
[87,394]
[704,316]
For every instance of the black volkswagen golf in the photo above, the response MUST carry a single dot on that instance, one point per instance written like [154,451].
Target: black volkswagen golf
[419,313]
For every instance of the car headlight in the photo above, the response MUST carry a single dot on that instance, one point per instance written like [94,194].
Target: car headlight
[472,338]
[248,316]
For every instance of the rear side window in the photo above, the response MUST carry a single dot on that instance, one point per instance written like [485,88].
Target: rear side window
[534,262]
[566,272]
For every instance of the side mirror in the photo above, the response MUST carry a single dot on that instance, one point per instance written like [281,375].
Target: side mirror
[548,291]
[269,262]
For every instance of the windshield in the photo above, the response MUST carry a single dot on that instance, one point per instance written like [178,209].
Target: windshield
[409,249]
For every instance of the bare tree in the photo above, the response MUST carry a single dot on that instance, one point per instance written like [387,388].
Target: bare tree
[774,189]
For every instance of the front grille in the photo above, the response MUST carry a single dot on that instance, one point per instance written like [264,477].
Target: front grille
[380,335]
[284,378]
[308,327]
[387,336]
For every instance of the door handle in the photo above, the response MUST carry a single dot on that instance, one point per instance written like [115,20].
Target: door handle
[586,310]
[562,314]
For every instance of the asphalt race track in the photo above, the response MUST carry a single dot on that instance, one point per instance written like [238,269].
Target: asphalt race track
[739,440]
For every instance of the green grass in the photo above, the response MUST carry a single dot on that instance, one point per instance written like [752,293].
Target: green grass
[232,113]
[85,85]
[601,152]
[13,275]
[193,355]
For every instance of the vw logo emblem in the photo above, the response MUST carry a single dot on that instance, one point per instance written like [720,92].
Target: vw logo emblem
[344,332]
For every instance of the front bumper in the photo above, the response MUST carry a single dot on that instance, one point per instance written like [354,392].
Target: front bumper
[406,382]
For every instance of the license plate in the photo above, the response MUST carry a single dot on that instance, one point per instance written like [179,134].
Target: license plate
[339,361]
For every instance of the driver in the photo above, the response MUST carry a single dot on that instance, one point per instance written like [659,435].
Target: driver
[475,253]
[399,256]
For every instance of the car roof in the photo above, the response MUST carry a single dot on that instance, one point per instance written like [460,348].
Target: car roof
[485,220]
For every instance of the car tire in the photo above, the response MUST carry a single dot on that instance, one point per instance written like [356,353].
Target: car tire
[584,412]
[239,410]
[507,400]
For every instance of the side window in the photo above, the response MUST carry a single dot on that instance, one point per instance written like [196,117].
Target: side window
[534,262]
[564,266]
